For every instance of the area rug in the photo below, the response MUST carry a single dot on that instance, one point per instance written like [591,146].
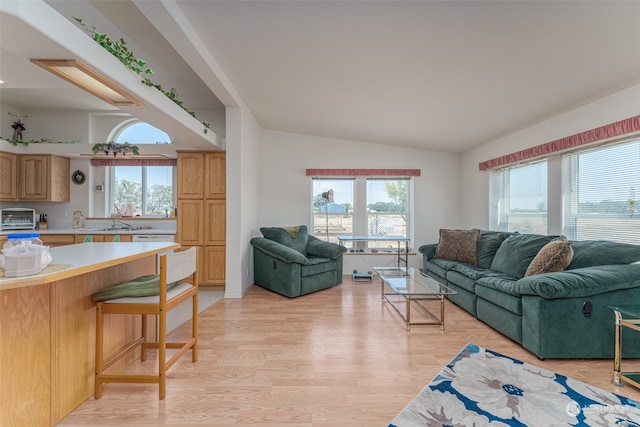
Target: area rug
[480,387]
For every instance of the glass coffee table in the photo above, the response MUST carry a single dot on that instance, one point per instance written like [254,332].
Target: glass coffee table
[409,285]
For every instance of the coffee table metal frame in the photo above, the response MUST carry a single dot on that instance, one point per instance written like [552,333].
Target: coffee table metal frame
[632,322]
[413,286]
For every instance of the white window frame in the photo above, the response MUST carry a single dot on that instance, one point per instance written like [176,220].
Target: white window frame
[360,214]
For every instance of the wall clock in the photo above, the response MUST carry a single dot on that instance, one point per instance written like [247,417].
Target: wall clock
[78,177]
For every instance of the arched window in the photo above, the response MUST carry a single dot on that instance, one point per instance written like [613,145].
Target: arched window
[142,190]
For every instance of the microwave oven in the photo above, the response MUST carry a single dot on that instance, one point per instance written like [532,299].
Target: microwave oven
[17,219]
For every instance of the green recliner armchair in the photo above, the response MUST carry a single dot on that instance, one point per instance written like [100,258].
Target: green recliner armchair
[290,262]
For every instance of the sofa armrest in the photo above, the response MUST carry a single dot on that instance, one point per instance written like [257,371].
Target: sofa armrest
[279,251]
[580,282]
[428,251]
[324,249]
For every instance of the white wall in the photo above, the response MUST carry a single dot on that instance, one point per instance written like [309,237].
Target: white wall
[475,183]
[284,198]
[243,154]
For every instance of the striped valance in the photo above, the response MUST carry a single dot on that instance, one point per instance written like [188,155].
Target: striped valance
[363,172]
[601,133]
[133,162]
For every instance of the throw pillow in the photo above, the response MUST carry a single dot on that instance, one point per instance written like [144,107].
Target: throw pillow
[516,253]
[293,237]
[459,245]
[554,256]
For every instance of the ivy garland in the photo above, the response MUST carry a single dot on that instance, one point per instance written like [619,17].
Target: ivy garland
[120,50]
[16,142]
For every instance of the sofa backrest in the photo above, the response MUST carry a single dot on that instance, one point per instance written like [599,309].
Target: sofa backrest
[587,253]
[488,244]
[293,237]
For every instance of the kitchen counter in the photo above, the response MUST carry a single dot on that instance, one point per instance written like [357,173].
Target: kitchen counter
[91,231]
[47,325]
[85,257]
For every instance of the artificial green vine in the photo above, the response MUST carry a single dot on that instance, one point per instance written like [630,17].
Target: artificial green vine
[120,50]
[16,142]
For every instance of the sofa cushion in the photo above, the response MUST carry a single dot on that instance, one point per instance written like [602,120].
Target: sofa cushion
[517,251]
[441,266]
[142,286]
[293,237]
[589,253]
[500,283]
[554,256]
[461,280]
[488,244]
[509,302]
[458,245]
[318,265]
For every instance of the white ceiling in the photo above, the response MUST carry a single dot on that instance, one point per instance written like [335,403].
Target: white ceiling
[440,75]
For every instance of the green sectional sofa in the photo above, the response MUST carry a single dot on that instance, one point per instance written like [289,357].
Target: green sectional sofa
[559,314]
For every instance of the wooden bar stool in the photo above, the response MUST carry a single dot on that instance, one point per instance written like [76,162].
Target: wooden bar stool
[150,295]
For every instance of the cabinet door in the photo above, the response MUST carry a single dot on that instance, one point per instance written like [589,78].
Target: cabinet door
[8,176]
[215,225]
[190,222]
[190,175]
[214,265]
[59,181]
[57,239]
[215,173]
[33,172]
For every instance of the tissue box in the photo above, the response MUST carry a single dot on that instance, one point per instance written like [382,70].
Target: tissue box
[22,265]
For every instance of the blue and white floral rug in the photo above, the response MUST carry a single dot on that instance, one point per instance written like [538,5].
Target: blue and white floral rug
[480,387]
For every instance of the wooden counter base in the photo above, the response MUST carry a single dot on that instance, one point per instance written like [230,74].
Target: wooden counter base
[47,336]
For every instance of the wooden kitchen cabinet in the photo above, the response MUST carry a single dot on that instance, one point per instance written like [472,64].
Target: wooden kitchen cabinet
[190,175]
[215,230]
[43,177]
[53,240]
[201,219]
[8,176]
[215,185]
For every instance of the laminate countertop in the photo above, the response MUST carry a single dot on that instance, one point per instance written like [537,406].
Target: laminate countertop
[87,257]
[145,231]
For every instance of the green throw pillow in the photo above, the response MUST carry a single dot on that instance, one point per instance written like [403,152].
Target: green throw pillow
[516,253]
[293,237]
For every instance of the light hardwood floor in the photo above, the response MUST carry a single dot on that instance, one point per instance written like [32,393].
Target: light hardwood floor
[339,357]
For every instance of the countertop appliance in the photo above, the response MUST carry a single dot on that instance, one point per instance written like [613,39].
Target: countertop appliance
[18,219]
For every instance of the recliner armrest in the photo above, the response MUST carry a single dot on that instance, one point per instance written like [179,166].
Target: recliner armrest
[324,249]
[279,251]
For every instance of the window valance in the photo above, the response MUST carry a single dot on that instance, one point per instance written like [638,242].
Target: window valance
[601,133]
[363,172]
[133,162]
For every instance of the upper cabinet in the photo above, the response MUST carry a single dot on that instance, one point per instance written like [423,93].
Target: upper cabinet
[216,172]
[190,175]
[35,177]
[8,176]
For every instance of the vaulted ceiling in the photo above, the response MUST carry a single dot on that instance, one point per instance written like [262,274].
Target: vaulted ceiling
[438,75]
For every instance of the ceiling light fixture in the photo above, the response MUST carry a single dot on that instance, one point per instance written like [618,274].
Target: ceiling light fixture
[85,78]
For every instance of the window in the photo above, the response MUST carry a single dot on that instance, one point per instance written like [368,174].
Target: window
[387,209]
[601,188]
[362,206]
[333,219]
[522,200]
[142,190]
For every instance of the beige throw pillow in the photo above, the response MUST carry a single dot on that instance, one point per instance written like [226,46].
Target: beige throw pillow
[459,245]
[554,256]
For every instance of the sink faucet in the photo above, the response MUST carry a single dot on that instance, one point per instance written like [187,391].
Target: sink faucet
[113,225]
